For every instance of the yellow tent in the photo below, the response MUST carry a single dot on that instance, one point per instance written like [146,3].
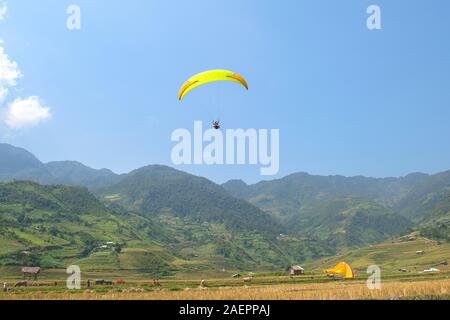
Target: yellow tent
[342,269]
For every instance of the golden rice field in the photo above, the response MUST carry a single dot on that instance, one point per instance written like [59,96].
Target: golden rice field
[355,290]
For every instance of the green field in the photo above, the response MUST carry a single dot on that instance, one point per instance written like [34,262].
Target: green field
[389,256]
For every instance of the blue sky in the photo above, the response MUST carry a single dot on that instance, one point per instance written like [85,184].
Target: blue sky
[346,100]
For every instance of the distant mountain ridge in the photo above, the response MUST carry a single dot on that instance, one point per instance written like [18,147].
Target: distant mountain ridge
[264,225]
[19,164]
[386,191]
[75,173]
[305,202]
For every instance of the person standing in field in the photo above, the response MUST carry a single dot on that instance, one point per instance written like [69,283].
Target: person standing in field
[5,286]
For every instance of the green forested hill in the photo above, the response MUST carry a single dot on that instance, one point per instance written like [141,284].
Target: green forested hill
[151,189]
[426,197]
[434,217]
[162,220]
[345,212]
[56,226]
[298,188]
[206,221]
[53,226]
[386,207]
[349,222]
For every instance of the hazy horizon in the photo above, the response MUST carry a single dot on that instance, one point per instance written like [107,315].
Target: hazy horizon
[235,178]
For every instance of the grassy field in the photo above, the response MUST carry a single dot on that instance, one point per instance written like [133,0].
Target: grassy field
[390,256]
[393,255]
[301,288]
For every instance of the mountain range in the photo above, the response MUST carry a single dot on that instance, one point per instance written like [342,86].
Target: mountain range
[161,220]
[307,204]
[20,164]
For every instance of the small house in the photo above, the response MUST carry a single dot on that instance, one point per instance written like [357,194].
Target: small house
[296,270]
[31,272]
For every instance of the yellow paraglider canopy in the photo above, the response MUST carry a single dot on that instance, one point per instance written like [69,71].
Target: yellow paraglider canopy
[342,269]
[210,76]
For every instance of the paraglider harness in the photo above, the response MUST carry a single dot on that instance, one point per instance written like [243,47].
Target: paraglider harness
[216,124]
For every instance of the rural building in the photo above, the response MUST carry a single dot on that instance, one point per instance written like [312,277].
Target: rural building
[296,270]
[31,272]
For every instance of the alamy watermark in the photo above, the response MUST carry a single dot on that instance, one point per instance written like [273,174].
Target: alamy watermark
[74,18]
[74,280]
[232,147]
[374,280]
[374,20]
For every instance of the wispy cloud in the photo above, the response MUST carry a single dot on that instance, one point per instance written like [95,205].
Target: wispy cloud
[3,93]
[9,70]
[22,112]
[3,10]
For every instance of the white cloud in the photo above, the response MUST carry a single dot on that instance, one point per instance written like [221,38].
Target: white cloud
[3,93]
[22,113]
[9,70]
[3,10]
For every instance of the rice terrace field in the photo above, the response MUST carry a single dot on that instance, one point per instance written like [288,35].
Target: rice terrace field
[264,288]
[313,285]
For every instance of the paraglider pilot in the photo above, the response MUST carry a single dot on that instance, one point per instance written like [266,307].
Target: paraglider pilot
[216,124]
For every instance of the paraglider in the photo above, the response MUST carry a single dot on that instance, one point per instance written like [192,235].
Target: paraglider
[210,76]
[342,269]
[216,124]
[207,77]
